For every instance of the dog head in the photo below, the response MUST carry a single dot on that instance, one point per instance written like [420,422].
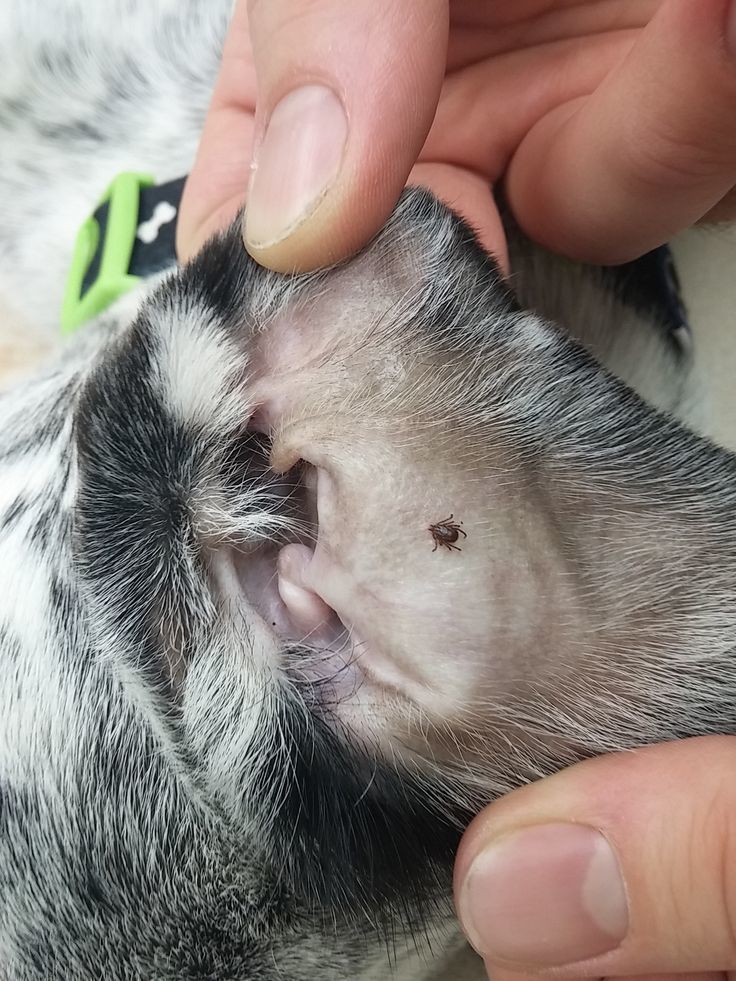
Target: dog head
[312,569]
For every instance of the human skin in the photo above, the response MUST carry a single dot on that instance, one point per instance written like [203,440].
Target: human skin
[668,813]
[610,121]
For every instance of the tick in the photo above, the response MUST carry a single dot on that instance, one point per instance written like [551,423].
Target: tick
[446,533]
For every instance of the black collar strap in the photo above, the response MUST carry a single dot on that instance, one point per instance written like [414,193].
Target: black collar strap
[154,245]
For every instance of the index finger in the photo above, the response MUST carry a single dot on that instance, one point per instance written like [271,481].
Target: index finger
[650,152]
[215,189]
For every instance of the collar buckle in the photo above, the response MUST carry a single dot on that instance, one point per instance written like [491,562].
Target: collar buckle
[100,267]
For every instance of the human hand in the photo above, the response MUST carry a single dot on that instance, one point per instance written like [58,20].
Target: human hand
[625,867]
[612,121]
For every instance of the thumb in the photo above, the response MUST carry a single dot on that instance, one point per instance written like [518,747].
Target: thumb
[623,865]
[337,132]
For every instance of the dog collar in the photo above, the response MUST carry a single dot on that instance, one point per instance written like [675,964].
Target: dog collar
[130,235]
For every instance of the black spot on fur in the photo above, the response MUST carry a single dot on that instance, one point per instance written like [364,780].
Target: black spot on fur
[42,528]
[15,511]
[354,832]
[63,599]
[10,647]
[21,438]
[69,133]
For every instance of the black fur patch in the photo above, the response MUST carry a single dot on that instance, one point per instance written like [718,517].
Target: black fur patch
[355,833]
[137,467]
[14,513]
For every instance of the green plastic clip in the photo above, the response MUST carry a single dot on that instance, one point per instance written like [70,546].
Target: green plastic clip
[113,278]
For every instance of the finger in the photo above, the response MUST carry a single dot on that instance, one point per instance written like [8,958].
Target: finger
[619,866]
[725,210]
[337,131]
[215,188]
[688,976]
[650,152]
[487,108]
[499,974]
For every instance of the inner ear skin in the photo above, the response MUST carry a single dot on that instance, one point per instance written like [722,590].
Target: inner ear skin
[391,421]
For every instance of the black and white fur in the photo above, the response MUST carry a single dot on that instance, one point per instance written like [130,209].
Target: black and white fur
[184,794]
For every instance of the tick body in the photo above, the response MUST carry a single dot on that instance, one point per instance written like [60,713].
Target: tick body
[446,533]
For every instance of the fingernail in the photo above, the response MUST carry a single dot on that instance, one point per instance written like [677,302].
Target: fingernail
[295,164]
[547,895]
